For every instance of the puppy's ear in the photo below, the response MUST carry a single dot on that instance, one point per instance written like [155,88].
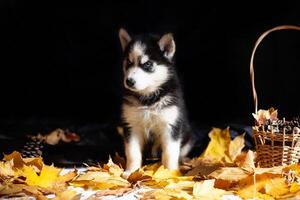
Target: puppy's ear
[124,38]
[167,45]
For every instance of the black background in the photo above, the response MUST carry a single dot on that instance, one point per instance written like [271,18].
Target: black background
[61,60]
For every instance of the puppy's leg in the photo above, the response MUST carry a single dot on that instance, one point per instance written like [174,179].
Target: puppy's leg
[170,150]
[133,152]
[184,151]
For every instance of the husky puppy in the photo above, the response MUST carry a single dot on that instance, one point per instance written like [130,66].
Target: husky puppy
[153,108]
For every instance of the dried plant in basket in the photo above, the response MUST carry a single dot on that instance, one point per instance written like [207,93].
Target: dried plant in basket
[277,141]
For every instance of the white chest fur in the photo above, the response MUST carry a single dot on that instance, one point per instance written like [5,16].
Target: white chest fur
[156,118]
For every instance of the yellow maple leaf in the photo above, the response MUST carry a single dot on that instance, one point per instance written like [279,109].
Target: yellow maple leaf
[295,187]
[167,194]
[164,173]
[157,176]
[181,185]
[270,188]
[264,185]
[276,187]
[251,191]
[236,146]
[218,145]
[47,178]
[293,167]
[150,169]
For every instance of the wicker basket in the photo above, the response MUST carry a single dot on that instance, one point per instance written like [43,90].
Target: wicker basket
[273,149]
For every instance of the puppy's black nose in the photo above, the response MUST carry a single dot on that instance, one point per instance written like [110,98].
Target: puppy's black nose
[130,82]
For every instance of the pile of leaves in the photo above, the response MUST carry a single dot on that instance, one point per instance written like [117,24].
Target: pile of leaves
[31,177]
[222,171]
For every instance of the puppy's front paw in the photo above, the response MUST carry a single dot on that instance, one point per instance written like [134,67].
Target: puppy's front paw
[126,174]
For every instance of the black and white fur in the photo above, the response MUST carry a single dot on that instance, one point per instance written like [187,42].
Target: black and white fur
[153,108]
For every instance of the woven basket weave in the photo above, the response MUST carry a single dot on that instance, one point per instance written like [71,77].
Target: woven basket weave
[273,149]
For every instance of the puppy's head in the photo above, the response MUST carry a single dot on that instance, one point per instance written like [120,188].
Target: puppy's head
[147,61]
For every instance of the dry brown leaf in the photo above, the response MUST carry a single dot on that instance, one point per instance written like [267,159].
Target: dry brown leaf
[16,158]
[19,162]
[31,190]
[68,176]
[119,160]
[117,192]
[263,115]
[92,175]
[274,170]
[36,162]
[138,176]
[206,190]
[203,167]
[67,195]
[10,189]
[247,161]
[93,168]
[21,190]
[6,168]
[99,180]
[112,168]
[230,174]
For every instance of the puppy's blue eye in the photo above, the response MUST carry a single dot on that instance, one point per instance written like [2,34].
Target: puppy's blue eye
[148,66]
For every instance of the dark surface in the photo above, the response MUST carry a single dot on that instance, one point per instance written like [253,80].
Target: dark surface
[98,142]
[60,62]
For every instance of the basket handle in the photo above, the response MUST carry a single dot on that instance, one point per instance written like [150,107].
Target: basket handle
[258,41]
